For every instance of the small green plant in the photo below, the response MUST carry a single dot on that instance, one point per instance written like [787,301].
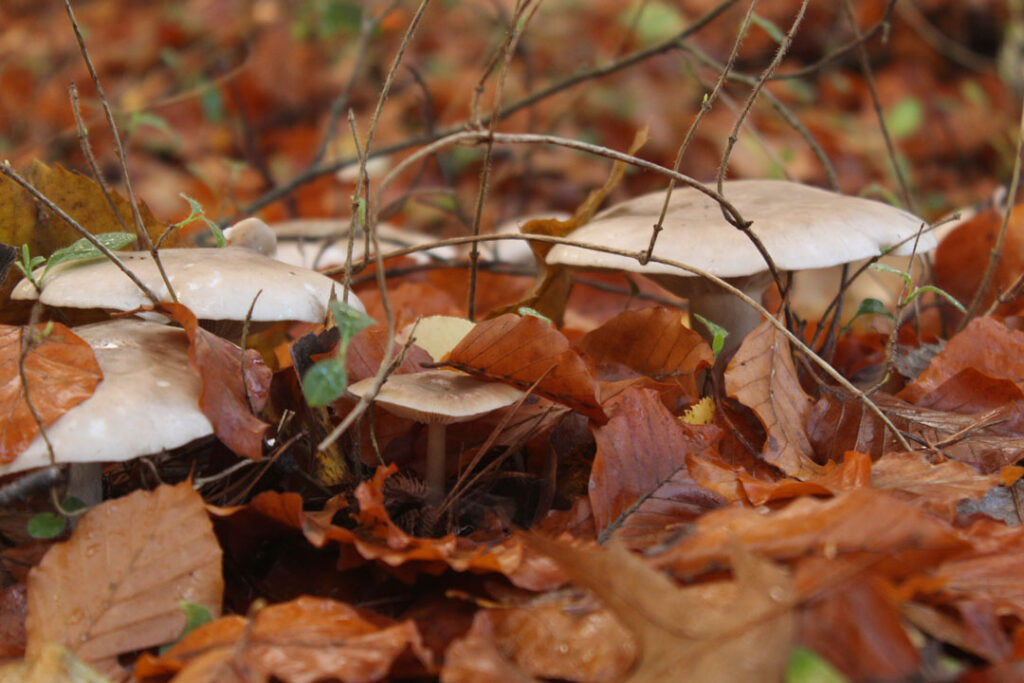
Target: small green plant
[326,380]
[195,616]
[47,525]
[917,291]
[196,213]
[81,250]
[807,666]
[718,333]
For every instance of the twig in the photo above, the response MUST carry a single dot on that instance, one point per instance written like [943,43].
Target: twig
[83,140]
[997,248]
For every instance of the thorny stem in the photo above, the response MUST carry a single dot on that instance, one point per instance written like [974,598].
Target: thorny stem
[705,108]
[42,199]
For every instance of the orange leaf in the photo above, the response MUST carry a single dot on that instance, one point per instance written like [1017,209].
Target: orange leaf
[936,487]
[60,372]
[735,630]
[229,387]
[519,351]
[306,639]
[114,587]
[639,482]
[761,376]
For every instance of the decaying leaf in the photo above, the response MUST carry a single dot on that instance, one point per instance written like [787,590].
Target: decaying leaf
[60,371]
[307,639]
[761,376]
[233,380]
[114,587]
[639,483]
[741,629]
[521,350]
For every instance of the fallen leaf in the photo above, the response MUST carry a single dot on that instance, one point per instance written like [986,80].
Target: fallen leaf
[233,380]
[903,537]
[53,663]
[762,377]
[60,371]
[970,625]
[114,587]
[306,639]
[475,658]
[12,621]
[519,351]
[741,629]
[639,483]
[935,487]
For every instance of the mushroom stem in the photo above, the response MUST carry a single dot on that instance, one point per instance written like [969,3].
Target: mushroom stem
[435,462]
[728,311]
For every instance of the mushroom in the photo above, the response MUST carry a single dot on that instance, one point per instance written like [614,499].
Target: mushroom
[438,398]
[800,226]
[252,234]
[323,242]
[516,252]
[216,284]
[147,402]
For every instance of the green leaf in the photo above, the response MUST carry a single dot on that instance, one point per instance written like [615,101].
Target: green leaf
[71,505]
[872,307]
[195,616]
[46,525]
[325,382]
[718,333]
[768,27]
[944,294]
[881,267]
[807,666]
[905,117]
[83,249]
[196,213]
[350,320]
[526,310]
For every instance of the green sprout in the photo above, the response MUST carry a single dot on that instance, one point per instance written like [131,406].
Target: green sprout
[326,381]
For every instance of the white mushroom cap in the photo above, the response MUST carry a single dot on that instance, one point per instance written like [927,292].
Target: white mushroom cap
[439,396]
[800,226]
[147,402]
[252,234]
[216,284]
[323,242]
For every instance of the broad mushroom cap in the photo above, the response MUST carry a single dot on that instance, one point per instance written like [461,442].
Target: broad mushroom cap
[252,234]
[323,242]
[147,402]
[439,396]
[436,334]
[216,284]
[801,227]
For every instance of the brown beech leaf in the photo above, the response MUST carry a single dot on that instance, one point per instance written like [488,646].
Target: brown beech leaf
[986,345]
[838,422]
[864,520]
[13,607]
[365,353]
[855,623]
[653,342]
[761,376]
[971,625]
[60,372]
[229,387]
[475,658]
[639,483]
[936,487]
[736,630]
[519,351]
[306,639]
[114,587]
[558,636]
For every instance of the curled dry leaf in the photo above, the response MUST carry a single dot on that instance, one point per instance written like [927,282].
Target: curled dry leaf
[986,345]
[519,351]
[737,630]
[475,658]
[60,371]
[114,587]
[639,483]
[558,636]
[762,377]
[306,639]
[902,537]
[233,380]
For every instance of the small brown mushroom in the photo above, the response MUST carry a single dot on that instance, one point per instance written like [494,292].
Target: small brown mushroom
[438,398]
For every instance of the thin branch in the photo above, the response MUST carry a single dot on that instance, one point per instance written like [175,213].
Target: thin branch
[83,141]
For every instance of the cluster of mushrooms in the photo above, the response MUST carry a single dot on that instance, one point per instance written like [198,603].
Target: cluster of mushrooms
[148,399]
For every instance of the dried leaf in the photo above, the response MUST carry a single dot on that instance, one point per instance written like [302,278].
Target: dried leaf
[639,483]
[761,376]
[52,663]
[233,380]
[307,639]
[936,487]
[12,621]
[728,630]
[863,520]
[60,372]
[114,587]
[519,351]
[475,658]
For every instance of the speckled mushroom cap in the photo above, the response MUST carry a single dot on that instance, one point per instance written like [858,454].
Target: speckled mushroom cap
[148,400]
[439,396]
[800,226]
[216,284]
